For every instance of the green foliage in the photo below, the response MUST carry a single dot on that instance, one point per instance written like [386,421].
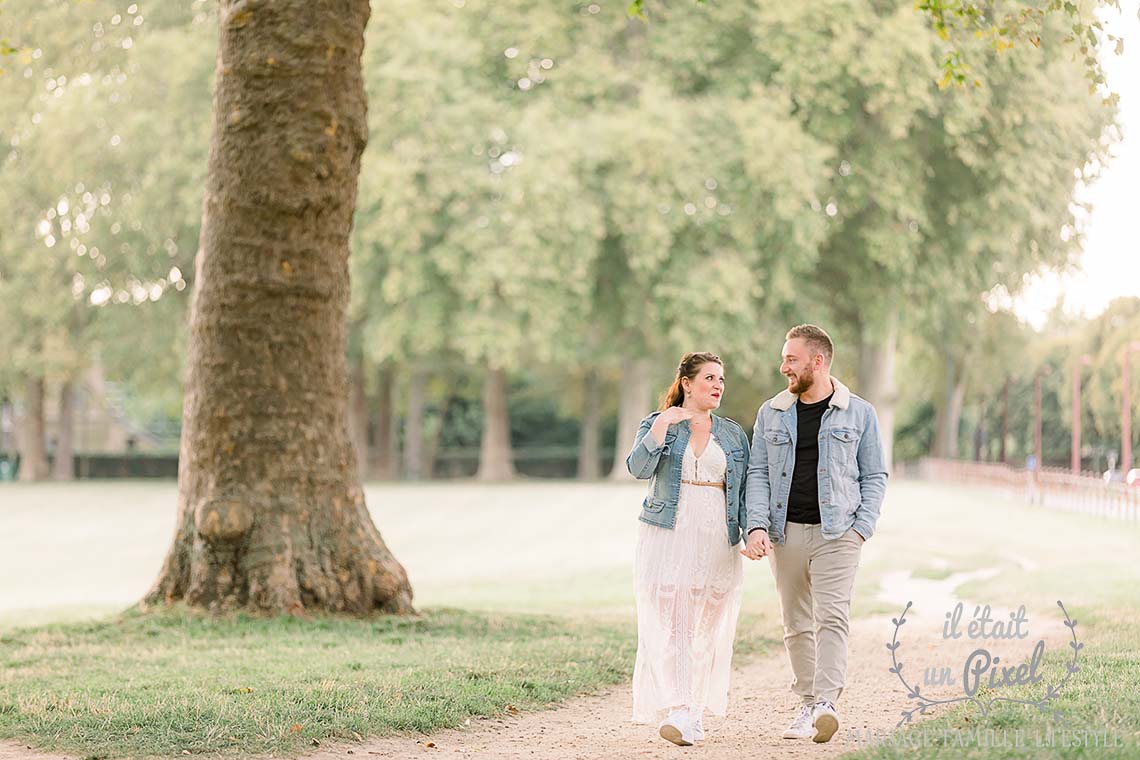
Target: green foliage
[1005,350]
[99,196]
[1029,24]
[548,190]
[559,186]
[957,21]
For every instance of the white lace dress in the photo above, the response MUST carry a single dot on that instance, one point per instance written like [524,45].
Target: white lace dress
[689,582]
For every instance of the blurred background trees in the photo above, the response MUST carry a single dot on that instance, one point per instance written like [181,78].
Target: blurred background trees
[556,202]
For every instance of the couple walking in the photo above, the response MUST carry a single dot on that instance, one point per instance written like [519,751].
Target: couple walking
[806,493]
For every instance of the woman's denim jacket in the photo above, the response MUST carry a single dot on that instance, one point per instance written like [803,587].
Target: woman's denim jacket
[662,463]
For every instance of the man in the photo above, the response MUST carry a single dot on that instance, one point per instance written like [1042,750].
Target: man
[816,479]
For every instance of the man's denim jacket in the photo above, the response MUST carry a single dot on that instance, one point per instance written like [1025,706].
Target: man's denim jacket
[852,470]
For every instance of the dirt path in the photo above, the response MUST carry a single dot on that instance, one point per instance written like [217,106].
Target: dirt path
[760,706]
[10,750]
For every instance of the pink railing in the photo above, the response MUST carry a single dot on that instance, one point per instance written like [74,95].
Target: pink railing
[1052,487]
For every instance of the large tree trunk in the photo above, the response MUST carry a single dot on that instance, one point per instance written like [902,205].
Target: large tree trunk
[384,428]
[634,402]
[30,433]
[414,426]
[63,466]
[947,419]
[271,513]
[589,441]
[876,383]
[358,415]
[495,450]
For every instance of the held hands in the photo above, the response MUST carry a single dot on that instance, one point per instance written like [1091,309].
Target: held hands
[758,545]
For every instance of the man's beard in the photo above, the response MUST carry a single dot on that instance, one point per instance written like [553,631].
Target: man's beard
[802,382]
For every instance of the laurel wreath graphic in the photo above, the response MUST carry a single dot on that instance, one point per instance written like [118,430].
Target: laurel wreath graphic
[924,703]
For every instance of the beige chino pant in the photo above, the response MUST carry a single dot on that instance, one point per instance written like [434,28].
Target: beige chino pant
[814,578]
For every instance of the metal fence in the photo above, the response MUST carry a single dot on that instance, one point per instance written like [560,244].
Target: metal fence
[1051,487]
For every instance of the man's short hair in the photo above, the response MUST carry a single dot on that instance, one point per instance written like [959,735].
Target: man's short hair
[818,341]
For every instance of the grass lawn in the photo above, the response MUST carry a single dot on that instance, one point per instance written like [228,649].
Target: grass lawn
[526,599]
[525,594]
[160,684]
[1091,565]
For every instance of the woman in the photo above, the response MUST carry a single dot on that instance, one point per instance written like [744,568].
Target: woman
[688,570]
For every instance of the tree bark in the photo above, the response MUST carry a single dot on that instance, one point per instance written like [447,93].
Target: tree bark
[953,430]
[414,426]
[589,440]
[634,402]
[63,466]
[947,419]
[30,433]
[1004,421]
[495,450]
[876,383]
[271,513]
[431,446]
[980,435]
[358,415]
[384,450]
[6,413]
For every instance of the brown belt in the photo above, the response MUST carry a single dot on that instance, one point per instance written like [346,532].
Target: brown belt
[711,484]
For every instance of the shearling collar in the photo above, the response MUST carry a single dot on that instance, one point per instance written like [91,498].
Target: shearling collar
[783,400]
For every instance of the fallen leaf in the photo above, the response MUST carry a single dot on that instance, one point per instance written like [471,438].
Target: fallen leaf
[296,727]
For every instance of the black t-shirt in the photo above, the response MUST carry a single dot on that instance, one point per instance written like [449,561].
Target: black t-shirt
[803,500]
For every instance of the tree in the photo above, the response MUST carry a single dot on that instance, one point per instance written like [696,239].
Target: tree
[706,184]
[271,514]
[95,200]
[956,22]
[931,208]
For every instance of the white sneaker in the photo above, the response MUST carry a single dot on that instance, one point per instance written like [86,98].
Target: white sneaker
[826,721]
[801,727]
[677,729]
[698,729]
